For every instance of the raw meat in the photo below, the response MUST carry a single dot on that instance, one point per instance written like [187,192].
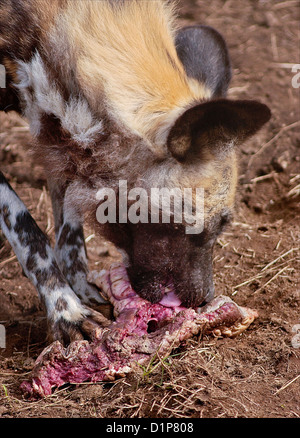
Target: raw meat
[140,331]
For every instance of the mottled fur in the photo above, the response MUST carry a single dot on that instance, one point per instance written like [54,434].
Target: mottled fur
[114,91]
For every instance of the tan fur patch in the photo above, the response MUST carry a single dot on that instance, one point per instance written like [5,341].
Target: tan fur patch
[219,180]
[126,52]
[11,68]
[120,56]
[217,177]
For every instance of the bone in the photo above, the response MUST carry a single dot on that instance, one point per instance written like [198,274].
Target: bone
[140,331]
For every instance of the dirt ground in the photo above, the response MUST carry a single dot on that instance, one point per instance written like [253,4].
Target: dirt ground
[256,260]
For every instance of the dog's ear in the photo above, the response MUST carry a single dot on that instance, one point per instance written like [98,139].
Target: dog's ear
[217,125]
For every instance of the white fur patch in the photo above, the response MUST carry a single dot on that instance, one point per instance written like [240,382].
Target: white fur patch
[42,96]
[74,311]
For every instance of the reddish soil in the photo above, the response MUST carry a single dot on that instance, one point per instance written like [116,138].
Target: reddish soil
[256,260]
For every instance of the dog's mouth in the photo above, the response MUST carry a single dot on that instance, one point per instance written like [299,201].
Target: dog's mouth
[166,290]
[169,297]
[156,291]
[163,293]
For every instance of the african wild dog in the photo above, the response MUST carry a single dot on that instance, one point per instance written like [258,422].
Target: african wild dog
[114,91]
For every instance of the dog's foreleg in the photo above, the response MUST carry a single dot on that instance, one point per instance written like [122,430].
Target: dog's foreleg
[68,318]
[70,249]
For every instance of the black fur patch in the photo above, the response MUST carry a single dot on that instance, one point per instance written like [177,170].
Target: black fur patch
[204,55]
[71,236]
[5,211]
[72,262]
[30,235]
[50,277]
